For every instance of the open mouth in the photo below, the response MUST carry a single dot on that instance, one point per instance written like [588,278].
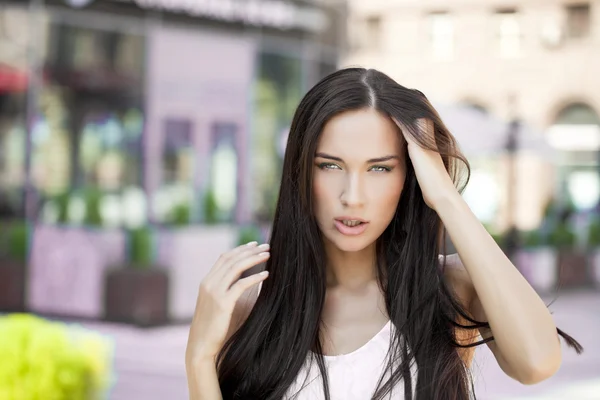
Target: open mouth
[351,225]
[351,222]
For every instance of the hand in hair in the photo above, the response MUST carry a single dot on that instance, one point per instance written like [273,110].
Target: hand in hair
[217,297]
[432,175]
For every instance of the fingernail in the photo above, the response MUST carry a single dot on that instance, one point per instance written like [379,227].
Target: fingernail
[264,273]
[264,253]
[264,246]
[251,244]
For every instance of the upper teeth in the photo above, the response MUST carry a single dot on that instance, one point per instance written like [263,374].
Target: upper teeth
[349,222]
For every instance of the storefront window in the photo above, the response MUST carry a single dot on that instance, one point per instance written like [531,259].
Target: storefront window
[87,139]
[277,93]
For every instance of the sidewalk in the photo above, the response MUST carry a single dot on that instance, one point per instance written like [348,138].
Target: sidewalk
[149,363]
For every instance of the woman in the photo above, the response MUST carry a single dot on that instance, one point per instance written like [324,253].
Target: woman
[358,303]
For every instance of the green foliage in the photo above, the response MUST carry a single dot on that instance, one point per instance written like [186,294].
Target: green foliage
[562,236]
[211,208]
[593,239]
[51,360]
[93,216]
[180,215]
[141,247]
[17,241]
[249,233]
[532,239]
[62,204]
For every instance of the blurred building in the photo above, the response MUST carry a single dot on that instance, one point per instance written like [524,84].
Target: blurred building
[536,61]
[184,103]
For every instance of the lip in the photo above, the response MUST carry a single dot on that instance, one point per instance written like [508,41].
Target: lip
[350,230]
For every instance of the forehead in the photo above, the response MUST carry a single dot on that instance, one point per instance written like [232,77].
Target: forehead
[363,133]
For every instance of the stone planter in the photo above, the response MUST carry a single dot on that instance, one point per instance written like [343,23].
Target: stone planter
[137,296]
[67,269]
[12,285]
[572,269]
[539,266]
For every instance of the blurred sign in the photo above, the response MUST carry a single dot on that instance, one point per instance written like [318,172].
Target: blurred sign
[12,80]
[273,13]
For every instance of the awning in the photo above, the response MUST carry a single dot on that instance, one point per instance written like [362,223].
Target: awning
[12,79]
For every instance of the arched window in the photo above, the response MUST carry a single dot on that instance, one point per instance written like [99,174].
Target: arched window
[576,128]
[577,114]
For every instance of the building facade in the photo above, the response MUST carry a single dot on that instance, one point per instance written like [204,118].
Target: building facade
[181,103]
[531,60]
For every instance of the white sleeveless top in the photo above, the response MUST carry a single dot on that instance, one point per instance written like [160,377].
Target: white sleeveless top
[352,376]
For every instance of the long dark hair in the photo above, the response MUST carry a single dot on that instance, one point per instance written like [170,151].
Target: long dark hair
[262,359]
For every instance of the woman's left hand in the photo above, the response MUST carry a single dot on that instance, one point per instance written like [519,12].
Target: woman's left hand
[434,181]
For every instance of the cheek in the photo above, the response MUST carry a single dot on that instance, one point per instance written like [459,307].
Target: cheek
[321,193]
[387,195]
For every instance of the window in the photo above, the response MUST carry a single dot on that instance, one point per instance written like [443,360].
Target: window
[441,35]
[508,33]
[578,20]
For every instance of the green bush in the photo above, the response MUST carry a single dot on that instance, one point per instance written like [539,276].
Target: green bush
[593,239]
[140,247]
[211,208]
[51,360]
[17,241]
[532,239]
[248,234]
[562,236]
[180,215]
[62,204]
[93,216]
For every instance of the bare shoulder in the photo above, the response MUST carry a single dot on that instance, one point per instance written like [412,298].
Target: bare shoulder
[458,278]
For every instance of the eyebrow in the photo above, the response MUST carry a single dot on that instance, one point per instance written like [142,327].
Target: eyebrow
[370,161]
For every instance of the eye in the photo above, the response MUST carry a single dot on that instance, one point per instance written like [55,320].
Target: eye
[381,168]
[328,166]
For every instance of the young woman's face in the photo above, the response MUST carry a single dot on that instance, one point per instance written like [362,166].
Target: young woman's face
[358,175]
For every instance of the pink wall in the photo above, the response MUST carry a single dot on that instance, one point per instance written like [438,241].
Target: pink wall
[205,78]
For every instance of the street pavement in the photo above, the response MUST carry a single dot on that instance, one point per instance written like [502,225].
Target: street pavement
[149,362]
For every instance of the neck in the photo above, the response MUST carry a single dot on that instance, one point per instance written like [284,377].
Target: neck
[350,270]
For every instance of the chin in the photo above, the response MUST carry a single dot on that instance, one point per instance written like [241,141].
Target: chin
[351,245]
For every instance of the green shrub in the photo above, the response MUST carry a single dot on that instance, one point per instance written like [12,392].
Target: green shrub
[141,247]
[51,360]
[18,241]
[562,236]
[62,204]
[532,239]
[593,239]
[248,234]
[93,216]
[180,215]
[211,208]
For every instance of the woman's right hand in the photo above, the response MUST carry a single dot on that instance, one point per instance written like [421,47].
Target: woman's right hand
[219,291]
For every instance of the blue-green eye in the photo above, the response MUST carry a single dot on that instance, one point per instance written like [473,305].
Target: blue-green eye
[328,166]
[381,168]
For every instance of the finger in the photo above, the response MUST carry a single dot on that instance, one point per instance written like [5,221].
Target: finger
[238,288]
[225,259]
[236,270]
[241,255]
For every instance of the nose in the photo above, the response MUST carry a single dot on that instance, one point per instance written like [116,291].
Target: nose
[352,194]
